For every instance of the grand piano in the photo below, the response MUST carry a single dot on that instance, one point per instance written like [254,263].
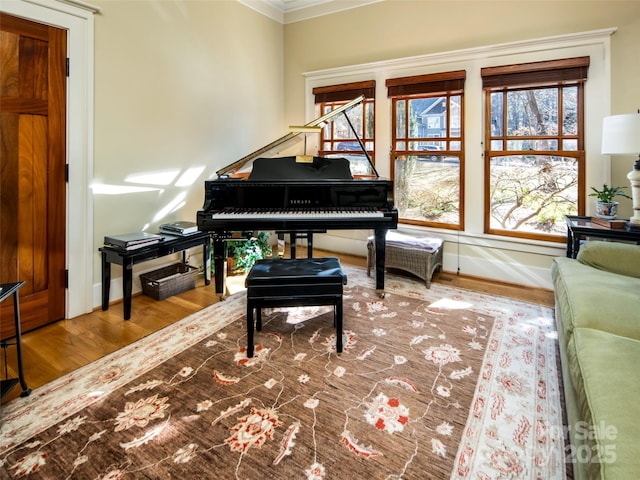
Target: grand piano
[271,191]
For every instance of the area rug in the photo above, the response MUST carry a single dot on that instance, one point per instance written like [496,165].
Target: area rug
[439,383]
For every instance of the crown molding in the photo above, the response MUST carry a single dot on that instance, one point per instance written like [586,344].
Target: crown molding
[290,11]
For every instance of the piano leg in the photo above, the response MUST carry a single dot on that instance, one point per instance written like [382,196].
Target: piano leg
[293,240]
[219,258]
[381,240]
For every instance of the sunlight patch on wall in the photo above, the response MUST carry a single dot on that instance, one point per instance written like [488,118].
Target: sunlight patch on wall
[189,177]
[106,189]
[153,178]
[175,204]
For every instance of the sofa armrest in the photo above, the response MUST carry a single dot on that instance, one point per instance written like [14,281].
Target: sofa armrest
[621,258]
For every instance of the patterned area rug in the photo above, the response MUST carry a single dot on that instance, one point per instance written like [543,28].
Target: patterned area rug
[438,383]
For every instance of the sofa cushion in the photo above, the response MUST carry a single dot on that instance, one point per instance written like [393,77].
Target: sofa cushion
[592,298]
[613,257]
[604,370]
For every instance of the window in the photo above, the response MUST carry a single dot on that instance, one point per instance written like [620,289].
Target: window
[534,147]
[428,148]
[338,139]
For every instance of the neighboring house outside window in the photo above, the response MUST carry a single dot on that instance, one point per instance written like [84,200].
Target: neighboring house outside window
[534,147]
[338,139]
[427,153]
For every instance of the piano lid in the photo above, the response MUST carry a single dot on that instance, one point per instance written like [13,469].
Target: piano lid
[287,145]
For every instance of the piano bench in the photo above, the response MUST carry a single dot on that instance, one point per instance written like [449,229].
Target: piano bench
[421,256]
[294,282]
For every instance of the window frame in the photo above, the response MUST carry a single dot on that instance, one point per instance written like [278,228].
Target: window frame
[558,74]
[435,85]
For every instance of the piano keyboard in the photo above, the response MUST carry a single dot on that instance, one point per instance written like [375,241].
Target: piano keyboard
[287,214]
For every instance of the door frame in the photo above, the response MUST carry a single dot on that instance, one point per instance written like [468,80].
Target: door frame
[78,19]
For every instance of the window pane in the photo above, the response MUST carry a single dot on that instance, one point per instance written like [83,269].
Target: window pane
[427,145]
[496,114]
[401,107]
[527,145]
[533,193]
[532,112]
[427,188]
[570,111]
[571,145]
[428,117]
[370,123]
[496,145]
[456,116]
[358,164]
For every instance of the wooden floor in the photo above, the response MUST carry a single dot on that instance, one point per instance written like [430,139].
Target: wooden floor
[54,350]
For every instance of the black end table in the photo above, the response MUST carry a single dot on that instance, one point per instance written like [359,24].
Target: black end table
[579,228]
[128,258]
[8,289]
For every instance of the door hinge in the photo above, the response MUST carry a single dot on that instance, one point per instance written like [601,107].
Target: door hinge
[66,172]
[67,67]
[66,278]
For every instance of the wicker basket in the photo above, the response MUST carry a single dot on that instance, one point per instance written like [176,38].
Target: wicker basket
[169,280]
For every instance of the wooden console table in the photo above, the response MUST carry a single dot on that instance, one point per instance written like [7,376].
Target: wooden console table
[6,290]
[128,258]
[579,228]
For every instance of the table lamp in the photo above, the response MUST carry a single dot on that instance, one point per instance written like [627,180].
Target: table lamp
[621,136]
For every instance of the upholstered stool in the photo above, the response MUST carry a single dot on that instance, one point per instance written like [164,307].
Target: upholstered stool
[294,282]
[421,256]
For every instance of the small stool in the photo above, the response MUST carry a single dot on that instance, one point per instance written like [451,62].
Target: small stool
[421,256]
[294,283]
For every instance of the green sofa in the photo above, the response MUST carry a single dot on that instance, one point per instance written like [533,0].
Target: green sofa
[597,298]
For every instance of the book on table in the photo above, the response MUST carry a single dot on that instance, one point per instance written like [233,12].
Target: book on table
[613,224]
[181,227]
[134,240]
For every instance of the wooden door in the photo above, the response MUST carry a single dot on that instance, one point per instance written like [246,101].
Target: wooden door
[32,170]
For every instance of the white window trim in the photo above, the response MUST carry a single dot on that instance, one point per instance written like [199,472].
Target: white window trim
[596,44]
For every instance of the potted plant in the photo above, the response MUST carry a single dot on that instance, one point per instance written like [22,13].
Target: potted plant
[242,254]
[606,207]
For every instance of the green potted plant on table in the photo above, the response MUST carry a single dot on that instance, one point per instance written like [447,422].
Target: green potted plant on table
[606,207]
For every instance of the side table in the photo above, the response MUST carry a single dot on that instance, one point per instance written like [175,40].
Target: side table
[579,228]
[128,258]
[6,290]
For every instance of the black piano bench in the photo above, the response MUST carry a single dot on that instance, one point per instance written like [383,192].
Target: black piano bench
[294,282]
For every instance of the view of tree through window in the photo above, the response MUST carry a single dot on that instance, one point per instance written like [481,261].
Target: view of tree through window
[427,148]
[534,152]
[533,160]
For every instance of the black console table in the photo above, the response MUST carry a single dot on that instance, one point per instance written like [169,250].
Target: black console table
[128,258]
[6,290]
[579,228]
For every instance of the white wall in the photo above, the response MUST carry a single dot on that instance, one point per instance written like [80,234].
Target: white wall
[180,87]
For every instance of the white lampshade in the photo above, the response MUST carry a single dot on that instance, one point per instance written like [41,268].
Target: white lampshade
[621,134]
